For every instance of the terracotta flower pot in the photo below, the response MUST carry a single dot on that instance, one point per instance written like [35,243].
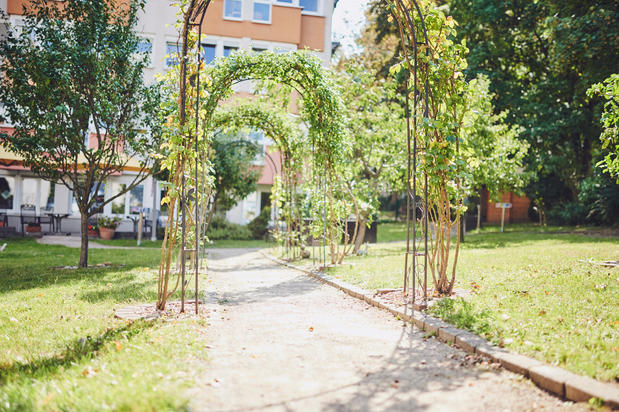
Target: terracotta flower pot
[33,229]
[106,233]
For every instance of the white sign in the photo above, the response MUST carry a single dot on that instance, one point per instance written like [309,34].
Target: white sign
[503,205]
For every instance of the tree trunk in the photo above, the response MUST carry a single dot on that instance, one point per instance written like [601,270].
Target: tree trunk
[84,248]
[211,213]
[361,234]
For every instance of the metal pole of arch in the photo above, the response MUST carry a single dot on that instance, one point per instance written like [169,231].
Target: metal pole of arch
[195,17]
[408,39]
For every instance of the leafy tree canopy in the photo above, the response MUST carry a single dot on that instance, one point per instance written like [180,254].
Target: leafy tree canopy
[73,91]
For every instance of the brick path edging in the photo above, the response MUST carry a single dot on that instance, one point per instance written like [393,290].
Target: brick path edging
[556,380]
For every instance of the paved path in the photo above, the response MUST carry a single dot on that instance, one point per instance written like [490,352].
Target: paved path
[281,341]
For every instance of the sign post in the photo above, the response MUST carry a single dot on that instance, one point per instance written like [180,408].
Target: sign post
[503,206]
[140,227]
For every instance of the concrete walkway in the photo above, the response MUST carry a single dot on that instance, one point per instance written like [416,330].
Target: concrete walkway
[280,341]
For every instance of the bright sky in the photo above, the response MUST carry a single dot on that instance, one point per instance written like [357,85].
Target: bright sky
[348,20]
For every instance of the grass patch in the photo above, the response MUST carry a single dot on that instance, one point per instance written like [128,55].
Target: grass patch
[129,243]
[538,293]
[61,347]
[231,243]
[224,243]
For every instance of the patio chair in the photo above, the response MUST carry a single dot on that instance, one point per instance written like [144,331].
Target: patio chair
[27,216]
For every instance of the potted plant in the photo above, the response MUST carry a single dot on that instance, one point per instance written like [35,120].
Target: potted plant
[33,228]
[93,231]
[107,227]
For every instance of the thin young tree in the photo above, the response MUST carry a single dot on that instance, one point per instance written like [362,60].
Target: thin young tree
[73,90]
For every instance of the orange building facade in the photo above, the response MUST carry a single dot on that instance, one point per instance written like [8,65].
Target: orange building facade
[230,25]
[518,213]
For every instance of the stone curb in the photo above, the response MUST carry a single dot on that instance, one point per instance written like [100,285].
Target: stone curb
[553,379]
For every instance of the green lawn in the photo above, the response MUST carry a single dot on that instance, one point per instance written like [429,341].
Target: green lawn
[537,292]
[62,349]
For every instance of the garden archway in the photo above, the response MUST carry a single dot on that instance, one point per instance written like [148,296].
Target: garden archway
[320,108]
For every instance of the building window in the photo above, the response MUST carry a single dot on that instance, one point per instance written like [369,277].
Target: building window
[118,204]
[172,52]
[208,53]
[136,199]
[309,5]
[233,9]
[29,191]
[285,1]
[74,209]
[228,50]
[47,196]
[7,191]
[145,47]
[258,49]
[99,197]
[163,208]
[262,11]
[97,206]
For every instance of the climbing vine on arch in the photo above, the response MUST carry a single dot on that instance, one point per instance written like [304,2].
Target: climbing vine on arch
[244,115]
[320,108]
[433,63]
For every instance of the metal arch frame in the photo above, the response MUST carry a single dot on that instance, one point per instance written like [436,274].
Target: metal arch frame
[403,12]
[195,16]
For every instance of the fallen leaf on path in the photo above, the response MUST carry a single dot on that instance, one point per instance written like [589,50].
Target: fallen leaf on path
[542,312]
[311,329]
[118,345]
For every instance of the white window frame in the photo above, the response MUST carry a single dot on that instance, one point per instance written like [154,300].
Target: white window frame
[262,46]
[167,55]
[209,43]
[232,17]
[230,46]
[292,3]
[318,11]
[265,2]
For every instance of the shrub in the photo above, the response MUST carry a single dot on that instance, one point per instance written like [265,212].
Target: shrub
[599,195]
[221,229]
[260,224]
[568,213]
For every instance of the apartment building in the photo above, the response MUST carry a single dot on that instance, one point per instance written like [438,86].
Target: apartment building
[230,25]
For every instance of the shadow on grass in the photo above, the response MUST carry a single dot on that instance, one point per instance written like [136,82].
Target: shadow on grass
[77,351]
